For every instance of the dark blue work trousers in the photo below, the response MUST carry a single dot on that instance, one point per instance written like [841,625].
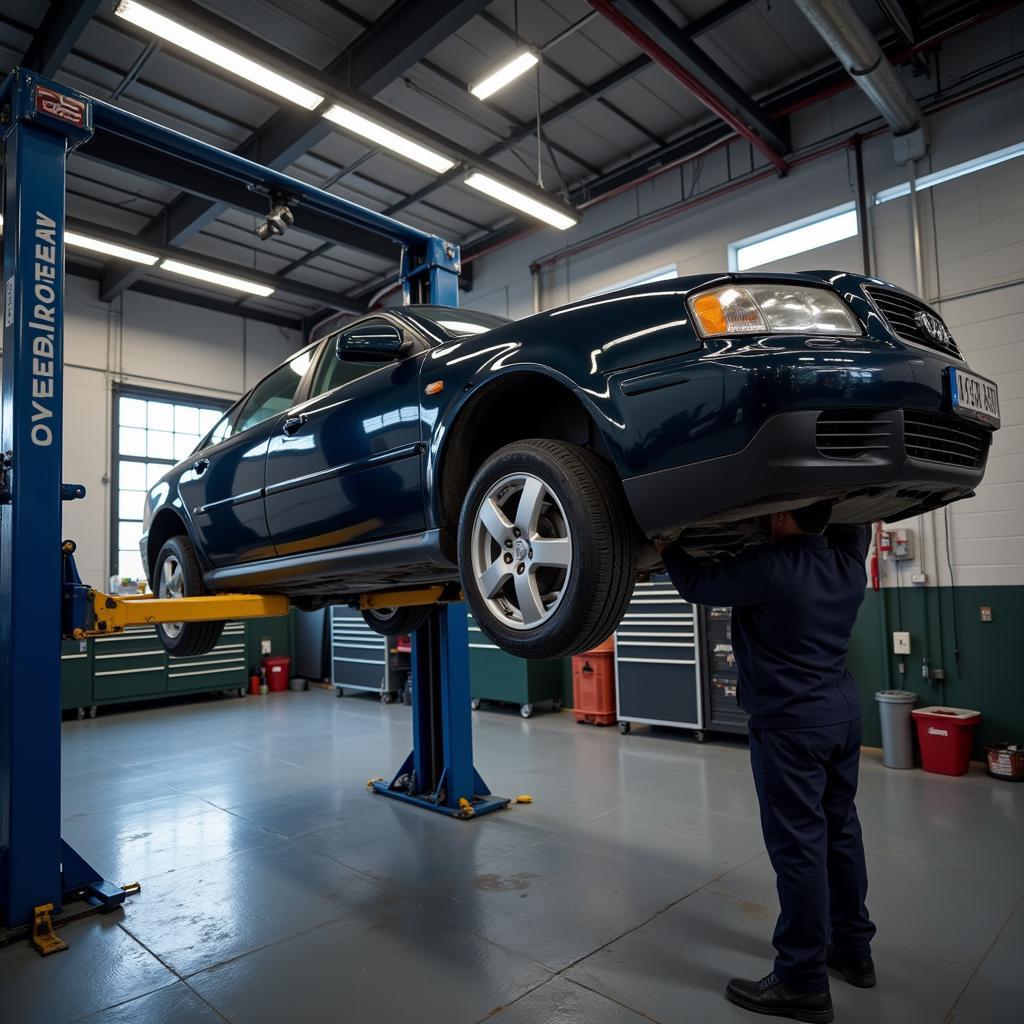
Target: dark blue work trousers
[806,781]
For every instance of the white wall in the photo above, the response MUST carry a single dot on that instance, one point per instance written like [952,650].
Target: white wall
[973,238]
[153,343]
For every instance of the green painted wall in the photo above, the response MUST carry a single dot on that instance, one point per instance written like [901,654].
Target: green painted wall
[989,677]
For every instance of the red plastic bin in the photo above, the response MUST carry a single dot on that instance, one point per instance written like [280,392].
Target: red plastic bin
[278,668]
[593,685]
[945,736]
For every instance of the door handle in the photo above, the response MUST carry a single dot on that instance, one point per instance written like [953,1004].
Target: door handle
[201,466]
[293,424]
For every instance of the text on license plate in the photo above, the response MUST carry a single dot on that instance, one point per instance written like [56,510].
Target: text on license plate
[973,396]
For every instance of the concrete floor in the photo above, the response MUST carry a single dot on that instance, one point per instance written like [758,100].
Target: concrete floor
[276,888]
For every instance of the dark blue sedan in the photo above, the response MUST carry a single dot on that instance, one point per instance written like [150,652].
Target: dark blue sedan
[534,461]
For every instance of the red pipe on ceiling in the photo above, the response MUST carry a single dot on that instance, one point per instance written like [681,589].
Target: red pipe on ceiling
[633,32]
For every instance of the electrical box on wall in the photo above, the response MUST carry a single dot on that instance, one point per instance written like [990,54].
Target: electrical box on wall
[897,545]
[900,643]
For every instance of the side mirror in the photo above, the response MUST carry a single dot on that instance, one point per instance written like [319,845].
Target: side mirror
[373,341]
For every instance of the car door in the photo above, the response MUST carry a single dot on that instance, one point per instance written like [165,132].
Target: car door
[222,489]
[345,466]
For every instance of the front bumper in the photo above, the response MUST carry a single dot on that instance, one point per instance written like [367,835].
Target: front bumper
[785,465]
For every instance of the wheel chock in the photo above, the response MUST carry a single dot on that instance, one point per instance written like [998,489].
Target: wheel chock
[44,940]
[524,798]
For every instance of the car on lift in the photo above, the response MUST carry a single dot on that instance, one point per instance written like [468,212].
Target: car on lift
[535,461]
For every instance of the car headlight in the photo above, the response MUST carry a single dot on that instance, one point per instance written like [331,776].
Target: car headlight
[771,309]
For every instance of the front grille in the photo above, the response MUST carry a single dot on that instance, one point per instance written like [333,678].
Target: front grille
[899,312]
[944,439]
[849,433]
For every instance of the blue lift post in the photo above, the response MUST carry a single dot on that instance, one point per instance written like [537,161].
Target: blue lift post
[42,122]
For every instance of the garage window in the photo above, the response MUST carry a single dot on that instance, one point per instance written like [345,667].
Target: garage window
[661,274]
[793,238]
[152,432]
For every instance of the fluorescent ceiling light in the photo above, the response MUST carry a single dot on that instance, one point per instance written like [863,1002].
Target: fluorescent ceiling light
[515,66]
[213,277]
[359,125]
[979,163]
[520,201]
[120,252]
[206,49]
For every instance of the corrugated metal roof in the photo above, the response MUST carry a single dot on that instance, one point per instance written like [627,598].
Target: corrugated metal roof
[762,46]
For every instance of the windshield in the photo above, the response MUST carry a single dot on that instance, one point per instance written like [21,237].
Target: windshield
[455,322]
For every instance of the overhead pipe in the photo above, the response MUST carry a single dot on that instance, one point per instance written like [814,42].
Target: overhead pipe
[859,53]
[648,45]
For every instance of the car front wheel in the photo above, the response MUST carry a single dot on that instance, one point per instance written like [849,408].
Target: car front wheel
[177,574]
[546,549]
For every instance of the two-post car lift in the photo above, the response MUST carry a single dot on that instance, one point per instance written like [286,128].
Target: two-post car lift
[41,596]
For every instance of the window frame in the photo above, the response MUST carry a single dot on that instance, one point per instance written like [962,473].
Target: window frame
[840,210]
[121,390]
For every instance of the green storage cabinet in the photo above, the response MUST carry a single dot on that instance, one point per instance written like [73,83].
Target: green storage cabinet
[76,675]
[133,666]
[495,675]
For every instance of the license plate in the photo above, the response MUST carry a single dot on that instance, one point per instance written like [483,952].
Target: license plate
[973,396]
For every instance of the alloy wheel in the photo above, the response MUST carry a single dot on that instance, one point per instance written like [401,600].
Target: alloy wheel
[521,550]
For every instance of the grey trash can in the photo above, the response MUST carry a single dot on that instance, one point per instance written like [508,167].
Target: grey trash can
[894,708]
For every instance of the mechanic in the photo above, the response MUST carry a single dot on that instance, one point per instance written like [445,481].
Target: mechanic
[794,604]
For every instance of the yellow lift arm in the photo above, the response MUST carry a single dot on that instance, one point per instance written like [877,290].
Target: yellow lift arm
[112,613]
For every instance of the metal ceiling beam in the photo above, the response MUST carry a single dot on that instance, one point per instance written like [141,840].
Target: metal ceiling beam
[374,58]
[706,22]
[575,82]
[657,35]
[61,26]
[903,18]
[549,117]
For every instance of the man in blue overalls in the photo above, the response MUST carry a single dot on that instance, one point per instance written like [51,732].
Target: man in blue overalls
[794,604]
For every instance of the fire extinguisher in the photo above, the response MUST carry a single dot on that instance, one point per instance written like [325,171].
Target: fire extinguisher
[875,548]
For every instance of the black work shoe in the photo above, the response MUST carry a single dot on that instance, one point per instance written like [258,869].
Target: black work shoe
[771,996]
[857,972]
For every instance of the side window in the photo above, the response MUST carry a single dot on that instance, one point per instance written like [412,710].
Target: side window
[333,372]
[222,431]
[271,396]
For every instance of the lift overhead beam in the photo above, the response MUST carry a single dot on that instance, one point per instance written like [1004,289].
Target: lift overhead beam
[406,32]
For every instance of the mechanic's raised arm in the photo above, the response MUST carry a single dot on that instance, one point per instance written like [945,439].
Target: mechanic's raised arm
[851,537]
[737,581]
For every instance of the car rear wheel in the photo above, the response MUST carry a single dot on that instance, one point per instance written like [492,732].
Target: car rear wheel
[546,549]
[397,621]
[177,574]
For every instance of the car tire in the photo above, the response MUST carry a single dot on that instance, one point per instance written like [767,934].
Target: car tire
[397,621]
[176,573]
[577,591]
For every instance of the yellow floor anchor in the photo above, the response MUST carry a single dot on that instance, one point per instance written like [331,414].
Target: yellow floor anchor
[44,939]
